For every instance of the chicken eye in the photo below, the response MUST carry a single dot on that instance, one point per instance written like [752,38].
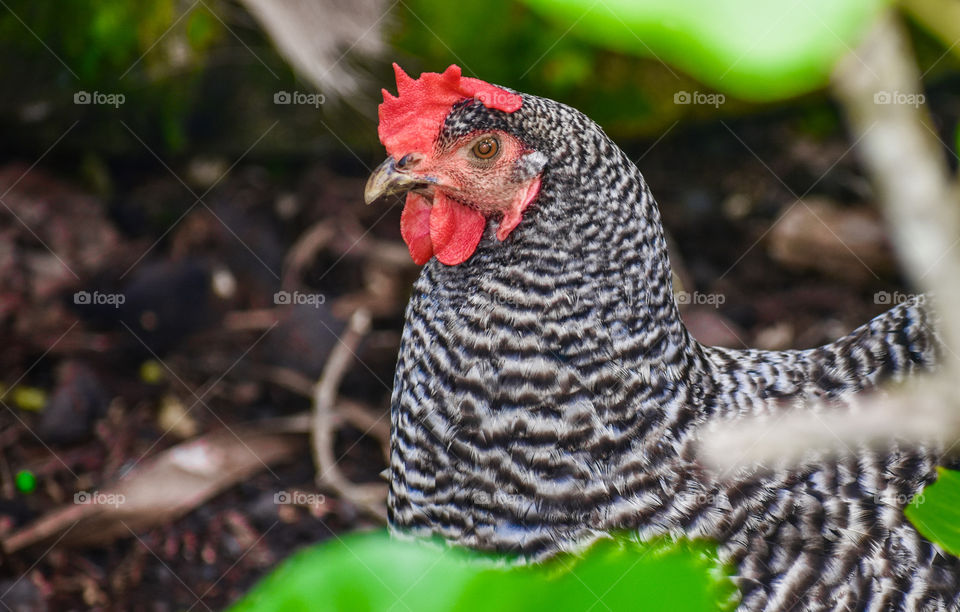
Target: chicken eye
[486,148]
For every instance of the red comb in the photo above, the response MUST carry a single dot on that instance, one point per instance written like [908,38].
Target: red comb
[411,121]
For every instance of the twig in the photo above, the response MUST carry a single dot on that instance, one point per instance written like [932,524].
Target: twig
[906,162]
[304,251]
[251,320]
[913,414]
[360,416]
[369,497]
[289,379]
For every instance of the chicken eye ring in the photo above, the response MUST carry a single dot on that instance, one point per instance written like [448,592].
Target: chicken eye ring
[486,148]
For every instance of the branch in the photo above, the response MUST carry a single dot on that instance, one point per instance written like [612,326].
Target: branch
[904,157]
[369,497]
[879,87]
[913,414]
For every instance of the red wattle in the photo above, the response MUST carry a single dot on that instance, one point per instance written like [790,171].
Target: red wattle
[455,230]
[415,227]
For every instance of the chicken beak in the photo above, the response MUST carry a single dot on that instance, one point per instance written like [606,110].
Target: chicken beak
[387,180]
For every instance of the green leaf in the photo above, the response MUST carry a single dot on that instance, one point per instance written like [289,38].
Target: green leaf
[373,572]
[935,512]
[754,49]
[523,50]
[202,28]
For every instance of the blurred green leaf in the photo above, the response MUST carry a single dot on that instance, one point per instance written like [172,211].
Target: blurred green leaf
[754,49]
[375,572]
[202,28]
[26,481]
[522,49]
[154,54]
[935,512]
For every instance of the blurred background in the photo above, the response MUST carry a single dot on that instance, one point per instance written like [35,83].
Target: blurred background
[183,240]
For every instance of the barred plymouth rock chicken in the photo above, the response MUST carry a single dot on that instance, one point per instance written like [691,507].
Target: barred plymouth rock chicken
[547,391]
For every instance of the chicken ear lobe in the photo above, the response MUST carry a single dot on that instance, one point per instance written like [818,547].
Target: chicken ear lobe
[514,212]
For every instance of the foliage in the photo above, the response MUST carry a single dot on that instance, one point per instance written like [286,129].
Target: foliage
[146,52]
[585,53]
[192,84]
[751,48]
[936,511]
[375,572]
[168,68]
[522,49]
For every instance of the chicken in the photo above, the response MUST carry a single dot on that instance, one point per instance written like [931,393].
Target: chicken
[547,391]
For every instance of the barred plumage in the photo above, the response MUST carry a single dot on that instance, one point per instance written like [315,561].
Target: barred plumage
[547,392]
